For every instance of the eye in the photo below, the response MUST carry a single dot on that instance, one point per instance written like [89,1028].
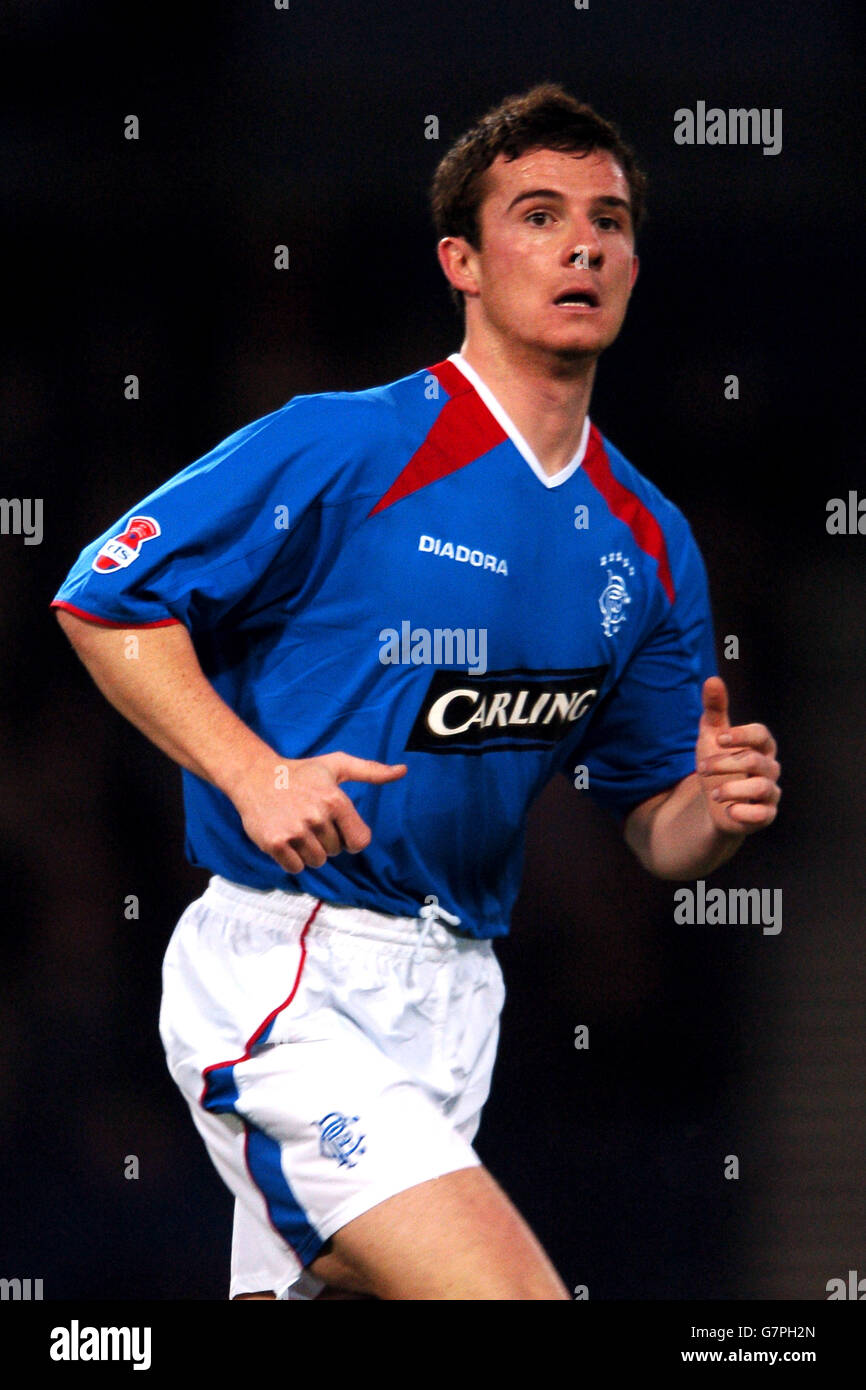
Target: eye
[612,223]
[539,212]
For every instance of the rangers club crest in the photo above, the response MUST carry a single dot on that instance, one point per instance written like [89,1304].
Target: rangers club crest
[338,1139]
[614,595]
[121,550]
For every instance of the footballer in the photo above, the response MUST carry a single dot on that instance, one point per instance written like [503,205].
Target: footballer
[357,789]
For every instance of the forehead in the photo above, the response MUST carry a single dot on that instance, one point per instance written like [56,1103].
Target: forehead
[580,176]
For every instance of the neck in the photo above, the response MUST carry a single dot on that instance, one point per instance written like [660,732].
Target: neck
[546,396]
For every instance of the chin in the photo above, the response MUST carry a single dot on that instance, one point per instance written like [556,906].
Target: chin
[575,349]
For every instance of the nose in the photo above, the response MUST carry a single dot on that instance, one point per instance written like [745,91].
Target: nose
[584,245]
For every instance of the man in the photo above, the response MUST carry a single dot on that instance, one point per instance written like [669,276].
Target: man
[331,1003]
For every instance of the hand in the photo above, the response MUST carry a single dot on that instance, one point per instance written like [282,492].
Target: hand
[293,809]
[737,766]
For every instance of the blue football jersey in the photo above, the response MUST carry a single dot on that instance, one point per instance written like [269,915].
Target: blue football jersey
[390,573]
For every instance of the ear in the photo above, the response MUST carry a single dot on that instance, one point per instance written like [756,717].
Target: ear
[635,267]
[457,259]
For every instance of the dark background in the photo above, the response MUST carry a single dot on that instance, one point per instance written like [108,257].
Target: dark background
[155,257]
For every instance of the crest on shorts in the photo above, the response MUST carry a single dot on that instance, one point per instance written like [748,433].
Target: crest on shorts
[337,1139]
[614,595]
[121,550]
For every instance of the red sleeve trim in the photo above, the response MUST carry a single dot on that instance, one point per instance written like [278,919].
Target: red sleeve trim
[107,622]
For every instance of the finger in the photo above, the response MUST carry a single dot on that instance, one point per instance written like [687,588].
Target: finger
[752,736]
[328,836]
[746,813]
[715,701]
[309,849]
[749,789]
[740,761]
[355,833]
[347,768]
[287,859]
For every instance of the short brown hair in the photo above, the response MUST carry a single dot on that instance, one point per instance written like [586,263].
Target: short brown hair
[546,117]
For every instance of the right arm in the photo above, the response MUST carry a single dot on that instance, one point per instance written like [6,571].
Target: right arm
[292,809]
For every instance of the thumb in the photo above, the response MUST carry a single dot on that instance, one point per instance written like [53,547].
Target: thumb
[347,768]
[715,698]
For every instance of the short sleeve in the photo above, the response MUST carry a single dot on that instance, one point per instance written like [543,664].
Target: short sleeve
[642,739]
[239,521]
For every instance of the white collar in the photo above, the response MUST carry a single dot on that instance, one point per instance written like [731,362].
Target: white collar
[496,410]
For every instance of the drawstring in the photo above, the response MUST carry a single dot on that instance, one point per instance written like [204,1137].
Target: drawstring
[432,912]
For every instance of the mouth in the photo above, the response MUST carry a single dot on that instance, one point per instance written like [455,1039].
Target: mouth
[577,299]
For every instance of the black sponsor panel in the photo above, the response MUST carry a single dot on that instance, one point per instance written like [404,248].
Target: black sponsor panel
[465,713]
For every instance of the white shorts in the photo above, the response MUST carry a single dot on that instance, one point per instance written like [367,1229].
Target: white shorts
[331,1057]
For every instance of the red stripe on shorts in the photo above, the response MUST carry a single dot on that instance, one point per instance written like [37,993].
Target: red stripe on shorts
[216,1066]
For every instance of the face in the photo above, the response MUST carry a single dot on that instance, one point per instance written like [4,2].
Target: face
[524,284]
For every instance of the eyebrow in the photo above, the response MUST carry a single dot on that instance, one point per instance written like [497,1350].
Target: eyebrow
[534,193]
[607,200]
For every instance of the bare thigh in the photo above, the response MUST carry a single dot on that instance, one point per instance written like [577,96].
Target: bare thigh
[455,1237]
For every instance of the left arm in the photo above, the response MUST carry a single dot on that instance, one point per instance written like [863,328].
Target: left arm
[698,825]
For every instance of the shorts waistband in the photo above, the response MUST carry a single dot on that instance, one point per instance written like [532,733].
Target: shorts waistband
[295,910]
